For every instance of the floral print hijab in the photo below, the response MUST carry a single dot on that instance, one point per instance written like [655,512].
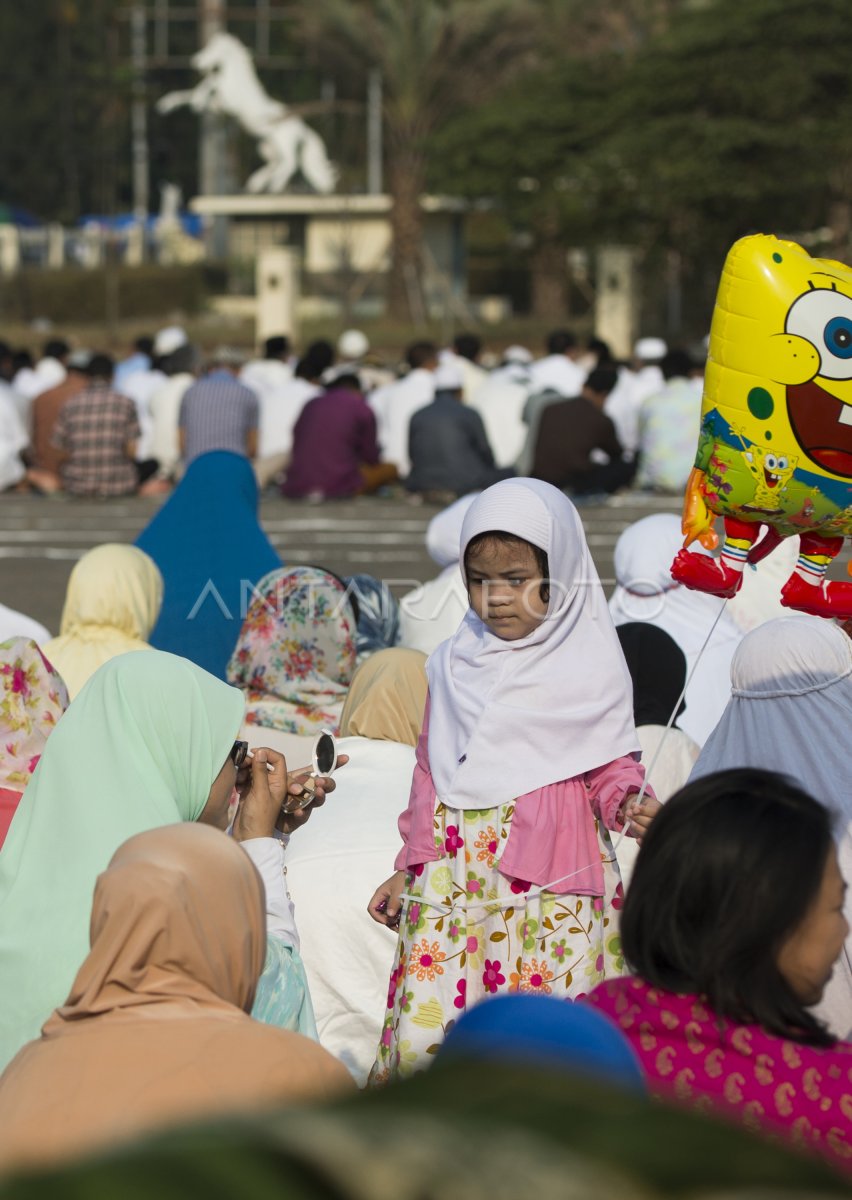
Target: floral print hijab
[32,699]
[295,656]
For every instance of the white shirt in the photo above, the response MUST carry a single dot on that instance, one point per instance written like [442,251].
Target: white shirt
[394,407]
[13,439]
[500,403]
[279,412]
[266,375]
[14,625]
[140,387]
[557,373]
[622,407]
[31,382]
[165,414]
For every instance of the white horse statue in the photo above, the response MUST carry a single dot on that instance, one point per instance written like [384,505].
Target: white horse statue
[229,85]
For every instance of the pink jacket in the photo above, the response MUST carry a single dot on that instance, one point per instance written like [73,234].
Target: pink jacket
[552,836]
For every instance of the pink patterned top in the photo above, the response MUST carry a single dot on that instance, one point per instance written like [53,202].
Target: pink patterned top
[552,834]
[801,1094]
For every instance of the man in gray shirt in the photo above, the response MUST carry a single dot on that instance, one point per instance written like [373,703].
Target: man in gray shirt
[219,412]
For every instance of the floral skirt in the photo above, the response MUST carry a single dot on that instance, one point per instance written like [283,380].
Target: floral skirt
[468,932]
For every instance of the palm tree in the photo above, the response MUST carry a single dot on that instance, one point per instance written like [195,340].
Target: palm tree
[436,57]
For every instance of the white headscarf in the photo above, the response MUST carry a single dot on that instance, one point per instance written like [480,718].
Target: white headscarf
[646,592]
[443,535]
[790,708]
[510,717]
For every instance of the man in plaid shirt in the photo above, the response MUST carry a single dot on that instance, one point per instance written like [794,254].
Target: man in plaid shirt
[96,434]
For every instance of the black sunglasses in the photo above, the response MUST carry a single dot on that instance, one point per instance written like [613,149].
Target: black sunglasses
[238,753]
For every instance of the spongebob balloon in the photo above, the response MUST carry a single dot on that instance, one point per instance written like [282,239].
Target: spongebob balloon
[775,447]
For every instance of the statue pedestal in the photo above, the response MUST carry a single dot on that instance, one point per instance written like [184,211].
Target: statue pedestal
[277,290]
[343,247]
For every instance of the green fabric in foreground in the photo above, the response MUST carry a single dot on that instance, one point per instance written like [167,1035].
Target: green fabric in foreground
[137,749]
[464,1131]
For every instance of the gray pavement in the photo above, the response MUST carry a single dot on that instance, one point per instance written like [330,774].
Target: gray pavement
[41,538]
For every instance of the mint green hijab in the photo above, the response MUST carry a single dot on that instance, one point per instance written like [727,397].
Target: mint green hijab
[138,748]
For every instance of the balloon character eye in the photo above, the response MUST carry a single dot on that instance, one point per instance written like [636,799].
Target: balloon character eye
[770,462]
[838,337]
[783,463]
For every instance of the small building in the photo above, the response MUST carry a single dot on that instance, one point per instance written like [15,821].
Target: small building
[343,246]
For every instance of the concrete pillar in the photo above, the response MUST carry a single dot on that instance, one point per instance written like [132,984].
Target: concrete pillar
[135,253]
[10,250]
[277,290]
[616,300]
[55,247]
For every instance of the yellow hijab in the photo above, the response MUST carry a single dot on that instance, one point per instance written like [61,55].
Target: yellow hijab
[387,698]
[112,603]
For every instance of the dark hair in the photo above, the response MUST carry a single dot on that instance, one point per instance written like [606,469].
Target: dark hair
[601,351]
[56,349]
[144,344]
[677,363]
[349,381]
[318,357]
[726,873]
[511,539]
[100,366]
[276,347]
[183,361]
[467,345]
[560,341]
[421,353]
[21,359]
[602,380]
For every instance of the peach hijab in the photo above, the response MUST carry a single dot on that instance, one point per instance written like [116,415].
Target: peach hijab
[156,1028]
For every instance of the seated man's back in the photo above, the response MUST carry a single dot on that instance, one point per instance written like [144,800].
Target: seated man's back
[218,413]
[333,439]
[96,433]
[448,446]
[575,435]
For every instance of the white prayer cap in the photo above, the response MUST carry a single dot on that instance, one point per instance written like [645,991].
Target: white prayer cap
[78,360]
[517,354]
[167,340]
[448,376]
[650,349]
[352,344]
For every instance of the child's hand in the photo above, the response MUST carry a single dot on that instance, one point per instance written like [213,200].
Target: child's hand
[638,817]
[386,904]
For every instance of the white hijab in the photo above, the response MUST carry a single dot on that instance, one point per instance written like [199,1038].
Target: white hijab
[646,592]
[790,709]
[510,717]
[443,536]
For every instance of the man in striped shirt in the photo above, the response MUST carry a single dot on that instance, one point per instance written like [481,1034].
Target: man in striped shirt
[219,412]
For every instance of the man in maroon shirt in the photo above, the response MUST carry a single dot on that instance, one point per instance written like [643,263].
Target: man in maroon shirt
[335,451]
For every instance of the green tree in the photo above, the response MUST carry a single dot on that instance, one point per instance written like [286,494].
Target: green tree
[436,57]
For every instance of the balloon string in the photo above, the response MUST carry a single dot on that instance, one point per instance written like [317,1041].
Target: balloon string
[496,905]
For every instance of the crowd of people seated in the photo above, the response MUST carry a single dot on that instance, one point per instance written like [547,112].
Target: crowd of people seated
[442,425]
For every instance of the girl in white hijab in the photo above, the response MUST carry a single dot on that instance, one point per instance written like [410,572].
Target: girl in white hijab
[791,711]
[528,755]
